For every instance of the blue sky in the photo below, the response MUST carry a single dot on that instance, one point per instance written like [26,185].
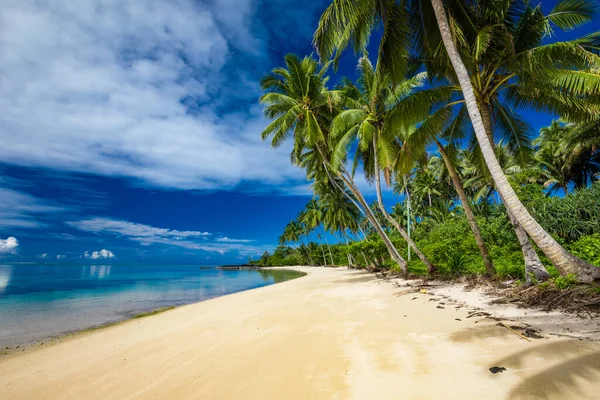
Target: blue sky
[130,129]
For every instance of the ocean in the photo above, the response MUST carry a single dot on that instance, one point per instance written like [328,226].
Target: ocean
[38,301]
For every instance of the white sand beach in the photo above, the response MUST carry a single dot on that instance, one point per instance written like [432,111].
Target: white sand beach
[333,334]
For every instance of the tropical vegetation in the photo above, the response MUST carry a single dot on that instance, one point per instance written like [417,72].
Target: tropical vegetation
[437,122]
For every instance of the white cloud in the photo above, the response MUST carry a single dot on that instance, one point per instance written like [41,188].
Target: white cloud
[18,209]
[8,245]
[99,86]
[134,231]
[147,235]
[99,254]
[60,256]
[229,240]
[42,256]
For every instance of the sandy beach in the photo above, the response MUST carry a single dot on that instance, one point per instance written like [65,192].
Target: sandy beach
[333,334]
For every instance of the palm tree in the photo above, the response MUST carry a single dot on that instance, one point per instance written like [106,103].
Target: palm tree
[294,232]
[301,106]
[512,47]
[521,63]
[375,115]
[340,215]
[480,182]
[312,218]
[565,161]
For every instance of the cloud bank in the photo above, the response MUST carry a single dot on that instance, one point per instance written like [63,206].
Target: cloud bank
[160,91]
[148,235]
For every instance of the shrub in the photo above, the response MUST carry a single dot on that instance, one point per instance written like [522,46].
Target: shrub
[565,282]
[587,248]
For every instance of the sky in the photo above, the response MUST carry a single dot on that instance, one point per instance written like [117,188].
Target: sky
[130,130]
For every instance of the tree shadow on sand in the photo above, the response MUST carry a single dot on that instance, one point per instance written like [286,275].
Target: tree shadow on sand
[360,277]
[485,331]
[559,380]
[579,365]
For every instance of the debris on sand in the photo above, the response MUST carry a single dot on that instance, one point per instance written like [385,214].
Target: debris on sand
[495,370]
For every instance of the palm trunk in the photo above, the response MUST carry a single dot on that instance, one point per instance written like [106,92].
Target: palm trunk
[371,217]
[396,257]
[487,260]
[324,257]
[533,264]
[365,258]
[349,253]
[330,255]
[310,260]
[430,267]
[560,257]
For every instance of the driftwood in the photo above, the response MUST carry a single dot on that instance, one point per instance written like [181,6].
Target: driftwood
[513,331]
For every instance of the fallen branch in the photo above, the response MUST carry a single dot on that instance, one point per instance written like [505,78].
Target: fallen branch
[513,331]
[478,313]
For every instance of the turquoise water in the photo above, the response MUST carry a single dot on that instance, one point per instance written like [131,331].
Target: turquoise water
[42,301]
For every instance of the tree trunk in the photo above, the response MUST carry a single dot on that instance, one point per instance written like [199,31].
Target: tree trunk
[533,264]
[487,260]
[330,255]
[396,257]
[365,258]
[430,267]
[560,257]
[323,251]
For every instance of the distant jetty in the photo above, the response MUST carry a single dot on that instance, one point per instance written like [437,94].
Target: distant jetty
[244,267]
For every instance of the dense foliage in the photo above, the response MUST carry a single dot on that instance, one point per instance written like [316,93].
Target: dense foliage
[438,116]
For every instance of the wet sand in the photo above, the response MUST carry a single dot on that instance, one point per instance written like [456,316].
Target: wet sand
[333,334]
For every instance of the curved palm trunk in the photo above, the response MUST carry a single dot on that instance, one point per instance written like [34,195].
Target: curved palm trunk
[560,257]
[310,260]
[365,210]
[487,260]
[329,249]
[324,258]
[533,264]
[371,217]
[430,267]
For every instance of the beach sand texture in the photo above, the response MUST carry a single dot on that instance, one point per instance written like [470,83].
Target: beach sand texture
[333,334]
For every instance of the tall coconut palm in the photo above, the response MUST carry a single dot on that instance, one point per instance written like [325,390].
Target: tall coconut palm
[375,115]
[513,46]
[301,107]
[522,62]
[480,182]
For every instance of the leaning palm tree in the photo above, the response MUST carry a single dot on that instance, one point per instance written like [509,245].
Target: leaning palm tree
[301,107]
[511,41]
[479,181]
[375,116]
[535,74]
[294,232]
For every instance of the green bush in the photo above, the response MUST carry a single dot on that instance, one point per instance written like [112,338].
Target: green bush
[565,282]
[451,247]
[587,248]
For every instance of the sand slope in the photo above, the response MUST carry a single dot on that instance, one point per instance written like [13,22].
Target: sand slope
[334,334]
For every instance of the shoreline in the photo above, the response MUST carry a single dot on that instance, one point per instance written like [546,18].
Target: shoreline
[25,347]
[335,334]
